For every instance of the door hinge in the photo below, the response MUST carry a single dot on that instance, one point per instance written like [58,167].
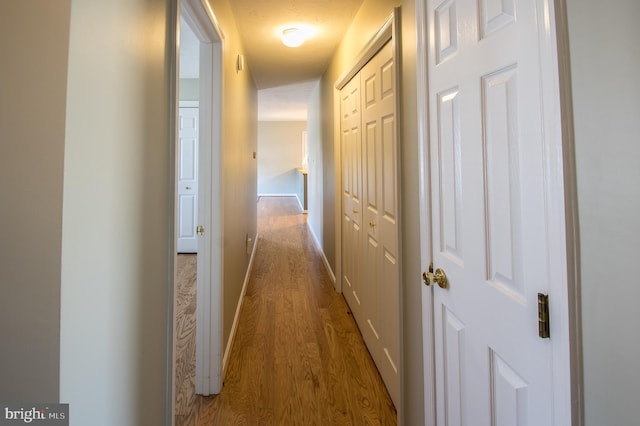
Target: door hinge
[543,316]
[200,230]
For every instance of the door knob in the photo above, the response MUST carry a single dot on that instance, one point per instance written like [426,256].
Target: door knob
[188,187]
[426,279]
[438,277]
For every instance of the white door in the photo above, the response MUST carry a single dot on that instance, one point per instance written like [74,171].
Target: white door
[381,273]
[492,199]
[351,143]
[370,222]
[187,180]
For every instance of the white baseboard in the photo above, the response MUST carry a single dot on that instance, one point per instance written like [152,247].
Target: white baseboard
[332,276]
[301,205]
[234,327]
[286,195]
[278,195]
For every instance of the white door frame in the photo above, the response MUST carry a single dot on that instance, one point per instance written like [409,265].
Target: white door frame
[209,271]
[567,348]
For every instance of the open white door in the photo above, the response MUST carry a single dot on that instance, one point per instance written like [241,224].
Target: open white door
[209,349]
[496,212]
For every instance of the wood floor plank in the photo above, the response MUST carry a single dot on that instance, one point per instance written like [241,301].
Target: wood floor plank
[298,357]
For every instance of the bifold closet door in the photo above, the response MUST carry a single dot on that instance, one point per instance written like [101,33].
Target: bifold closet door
[370,256]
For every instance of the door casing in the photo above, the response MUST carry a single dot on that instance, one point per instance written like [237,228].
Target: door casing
[209,344]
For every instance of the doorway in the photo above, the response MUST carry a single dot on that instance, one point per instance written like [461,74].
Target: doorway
[200,22]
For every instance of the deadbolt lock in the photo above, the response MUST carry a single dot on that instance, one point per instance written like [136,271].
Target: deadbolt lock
[437,277]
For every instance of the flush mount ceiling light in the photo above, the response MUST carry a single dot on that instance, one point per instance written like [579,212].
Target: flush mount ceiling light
[293,37]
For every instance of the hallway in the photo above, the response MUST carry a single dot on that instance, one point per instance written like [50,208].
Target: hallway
[298,357]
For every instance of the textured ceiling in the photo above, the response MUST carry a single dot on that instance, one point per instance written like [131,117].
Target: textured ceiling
[285,103]
[272,64]
[284,76]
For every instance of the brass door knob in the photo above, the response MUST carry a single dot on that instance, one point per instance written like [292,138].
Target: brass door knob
[426,278]
[441,278]
[438,277]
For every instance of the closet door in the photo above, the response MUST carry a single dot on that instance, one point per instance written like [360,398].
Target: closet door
[370,242]
[380,223]
[351,145]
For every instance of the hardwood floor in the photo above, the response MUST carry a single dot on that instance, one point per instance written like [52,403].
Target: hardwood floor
[298,357]
[185,361]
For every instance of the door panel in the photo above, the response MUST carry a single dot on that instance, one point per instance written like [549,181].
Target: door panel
[453,360]
[501,171]
[450,178]
[489,217]
[187,180]
[380,222]
[351,194]
[509,404]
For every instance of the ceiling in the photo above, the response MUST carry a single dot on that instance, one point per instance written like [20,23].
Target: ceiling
[285,103]
[284,76]
[260,23]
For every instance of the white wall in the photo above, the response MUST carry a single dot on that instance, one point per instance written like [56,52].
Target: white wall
[117,215]
[605,63]
[315,169]
[34,37]
[189,89]
[279,156]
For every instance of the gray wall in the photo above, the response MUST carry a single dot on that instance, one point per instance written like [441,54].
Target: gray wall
[413,379]
[605,62]
[117,221]
[279,156]
[34,39]
[85,266]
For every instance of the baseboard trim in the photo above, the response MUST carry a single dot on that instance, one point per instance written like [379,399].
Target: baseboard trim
[301,205]
[332,276]
[278,195]
[234,326]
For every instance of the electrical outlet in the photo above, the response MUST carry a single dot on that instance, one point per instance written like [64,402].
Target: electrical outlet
[249,244]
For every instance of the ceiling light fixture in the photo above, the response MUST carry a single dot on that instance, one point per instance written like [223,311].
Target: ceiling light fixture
[293,37]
